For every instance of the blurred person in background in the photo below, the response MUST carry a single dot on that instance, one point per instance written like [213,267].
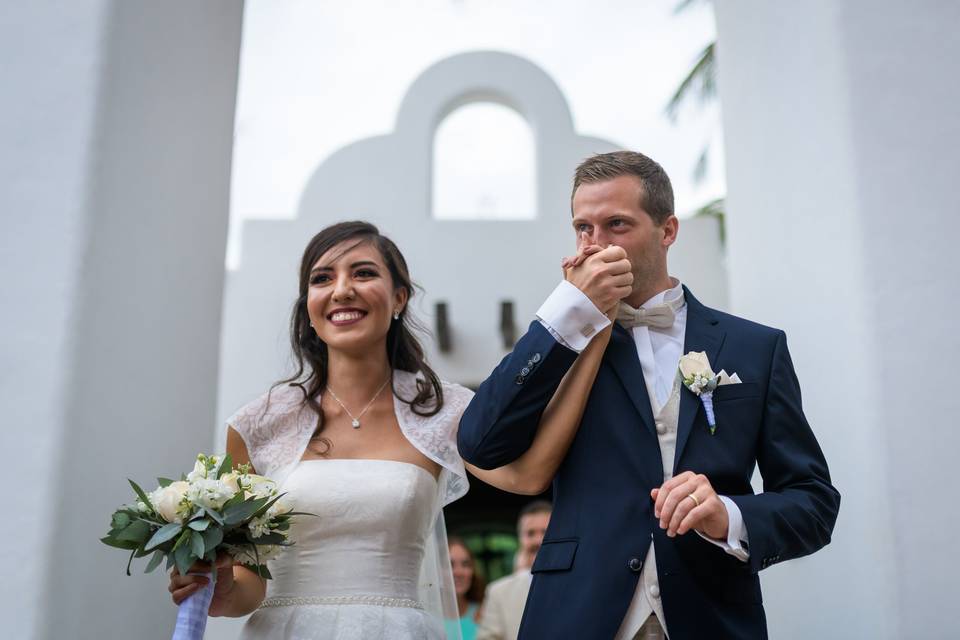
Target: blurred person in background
[469,585]
[505,598]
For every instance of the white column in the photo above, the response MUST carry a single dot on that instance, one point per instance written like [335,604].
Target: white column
[117,126]
[841,132]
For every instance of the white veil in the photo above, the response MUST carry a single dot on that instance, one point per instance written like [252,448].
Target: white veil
[436,437]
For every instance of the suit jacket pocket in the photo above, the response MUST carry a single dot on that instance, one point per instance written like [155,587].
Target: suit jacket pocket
[555,555]
[734,391]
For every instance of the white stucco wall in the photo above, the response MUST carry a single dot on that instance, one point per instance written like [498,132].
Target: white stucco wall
[117,128]
[841,128]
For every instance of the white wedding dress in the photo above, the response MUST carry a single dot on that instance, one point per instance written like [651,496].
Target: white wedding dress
[373,562]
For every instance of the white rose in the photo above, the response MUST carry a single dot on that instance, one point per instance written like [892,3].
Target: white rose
[232,482]
[166,500]
[695,363]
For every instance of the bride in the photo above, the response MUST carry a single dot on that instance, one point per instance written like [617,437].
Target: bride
[364,437]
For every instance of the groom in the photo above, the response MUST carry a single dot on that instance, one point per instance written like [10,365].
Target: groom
[655,530]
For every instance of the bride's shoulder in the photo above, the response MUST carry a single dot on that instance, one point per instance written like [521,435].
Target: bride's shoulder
[271,409]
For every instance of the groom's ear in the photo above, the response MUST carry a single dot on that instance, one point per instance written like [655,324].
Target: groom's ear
[670,228]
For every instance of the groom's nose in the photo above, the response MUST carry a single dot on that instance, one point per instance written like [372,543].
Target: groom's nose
[600,237]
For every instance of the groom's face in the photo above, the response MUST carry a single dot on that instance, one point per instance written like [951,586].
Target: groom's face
[609,212]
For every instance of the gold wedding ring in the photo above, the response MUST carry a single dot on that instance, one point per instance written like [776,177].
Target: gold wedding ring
[694,498]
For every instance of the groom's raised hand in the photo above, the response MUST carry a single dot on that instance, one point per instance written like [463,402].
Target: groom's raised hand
[679,513]
[603,275]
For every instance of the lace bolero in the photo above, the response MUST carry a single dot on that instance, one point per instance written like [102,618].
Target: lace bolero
[276,428]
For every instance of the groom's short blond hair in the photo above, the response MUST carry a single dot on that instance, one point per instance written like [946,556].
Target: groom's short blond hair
[656,195]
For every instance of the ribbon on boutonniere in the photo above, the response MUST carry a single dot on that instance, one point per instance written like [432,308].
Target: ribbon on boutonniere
[698,376]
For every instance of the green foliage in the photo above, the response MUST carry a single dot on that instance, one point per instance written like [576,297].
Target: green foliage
[140,493]
[164,533]
[154,561]
[144,533]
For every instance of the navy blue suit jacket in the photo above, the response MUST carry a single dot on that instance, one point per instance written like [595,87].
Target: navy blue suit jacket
[602,525]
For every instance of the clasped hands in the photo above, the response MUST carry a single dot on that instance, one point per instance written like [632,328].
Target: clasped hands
[687,501]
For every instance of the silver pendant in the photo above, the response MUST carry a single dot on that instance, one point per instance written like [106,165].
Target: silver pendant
[355,423]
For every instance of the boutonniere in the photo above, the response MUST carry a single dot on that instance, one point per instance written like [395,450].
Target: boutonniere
[698,377]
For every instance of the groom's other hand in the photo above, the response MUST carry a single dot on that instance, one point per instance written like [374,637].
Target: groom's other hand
[605,277]
[679,513]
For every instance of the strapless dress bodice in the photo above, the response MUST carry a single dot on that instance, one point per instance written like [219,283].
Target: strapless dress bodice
[358,556]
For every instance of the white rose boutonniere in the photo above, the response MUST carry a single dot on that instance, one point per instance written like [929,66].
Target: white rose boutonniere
[698,376]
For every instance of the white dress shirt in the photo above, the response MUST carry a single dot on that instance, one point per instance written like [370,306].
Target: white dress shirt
[572,319]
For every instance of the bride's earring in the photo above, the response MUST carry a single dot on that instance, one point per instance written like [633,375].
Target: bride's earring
[396,315]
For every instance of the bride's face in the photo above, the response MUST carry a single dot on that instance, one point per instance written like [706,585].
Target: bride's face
[351,297]
[462,566]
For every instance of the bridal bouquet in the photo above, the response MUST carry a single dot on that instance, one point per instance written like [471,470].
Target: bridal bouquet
[215,508]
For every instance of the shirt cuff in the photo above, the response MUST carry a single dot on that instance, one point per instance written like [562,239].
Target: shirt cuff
[570,317]
[737,544]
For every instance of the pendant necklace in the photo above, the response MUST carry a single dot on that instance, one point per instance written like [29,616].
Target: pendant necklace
[355,420]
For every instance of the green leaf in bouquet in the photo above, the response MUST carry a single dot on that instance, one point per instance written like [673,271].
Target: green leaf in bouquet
[244,511]
[164,533]
[196,544]
[130,560]
[183,557]
[199,524]
[126,545]
[170,562]
[213,515]
[262,510]
[237,498]
[164,482]
[226,466]
[140,493]
[212,538]
[183,540]
[120,520]
[138,531]
[154,561]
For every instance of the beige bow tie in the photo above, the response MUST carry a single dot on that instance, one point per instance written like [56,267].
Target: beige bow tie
[659,316]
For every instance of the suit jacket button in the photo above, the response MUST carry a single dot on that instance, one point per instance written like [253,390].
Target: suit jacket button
[525,371]
[635,565]
[535,358]
[519,379]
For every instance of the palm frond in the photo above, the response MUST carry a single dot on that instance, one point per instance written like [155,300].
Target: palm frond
[683,5]
[703,163]
[701,81]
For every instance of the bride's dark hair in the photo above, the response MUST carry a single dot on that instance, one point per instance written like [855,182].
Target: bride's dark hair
[404,351]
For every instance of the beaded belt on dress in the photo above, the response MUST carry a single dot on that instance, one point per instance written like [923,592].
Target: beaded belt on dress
[382,601]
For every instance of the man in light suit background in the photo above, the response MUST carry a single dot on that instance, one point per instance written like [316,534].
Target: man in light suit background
[656,531]
[503,604]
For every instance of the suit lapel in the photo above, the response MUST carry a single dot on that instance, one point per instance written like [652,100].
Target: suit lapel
[621,353]
[703,333]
